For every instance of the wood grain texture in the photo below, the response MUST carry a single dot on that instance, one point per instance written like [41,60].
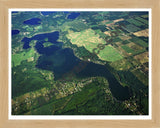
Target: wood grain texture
[6,4]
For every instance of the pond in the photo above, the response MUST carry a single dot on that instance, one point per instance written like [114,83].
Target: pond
[15,32]
[73,15]
[33,21]
[14,11]
[46,13]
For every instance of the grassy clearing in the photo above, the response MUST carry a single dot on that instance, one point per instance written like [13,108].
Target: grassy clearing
[18,58]
[110,54]
[75,24]
[86,38]
[122,64]
[47,44]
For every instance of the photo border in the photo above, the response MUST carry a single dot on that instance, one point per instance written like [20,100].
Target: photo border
[84,117]
[5,5]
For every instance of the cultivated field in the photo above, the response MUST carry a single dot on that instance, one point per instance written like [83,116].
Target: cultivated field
[90,40]
[109,53]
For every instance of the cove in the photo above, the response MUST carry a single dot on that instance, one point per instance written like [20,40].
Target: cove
[52,37]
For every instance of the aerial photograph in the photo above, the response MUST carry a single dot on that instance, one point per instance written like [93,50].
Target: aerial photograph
[79,62]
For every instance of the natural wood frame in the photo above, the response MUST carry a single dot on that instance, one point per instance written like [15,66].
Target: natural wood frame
[6,4]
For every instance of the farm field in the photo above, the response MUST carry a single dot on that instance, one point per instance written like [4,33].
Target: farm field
[135,22]
[110,54]
[86,38]
[127,49]
[143,33]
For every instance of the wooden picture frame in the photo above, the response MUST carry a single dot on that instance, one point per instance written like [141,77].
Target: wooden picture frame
[4,62]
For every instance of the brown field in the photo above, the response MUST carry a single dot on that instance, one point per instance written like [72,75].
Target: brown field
[118,20]
[118,43]
[123,52]
[110,24]
[130,44]
[107,33]
[142,33]
[142,58]
[134,46]
[104,21]
[125,37]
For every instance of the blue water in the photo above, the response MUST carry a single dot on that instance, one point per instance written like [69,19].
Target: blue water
[47,62]
[62,61]
[15,32]
[66,12]
[46,50]
[14,11]
[73,15]
[92,69]
[33,21]
[52,37]
[45,13]
[26,42]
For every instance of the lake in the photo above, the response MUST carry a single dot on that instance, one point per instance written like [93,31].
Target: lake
[62,61]
[51,37]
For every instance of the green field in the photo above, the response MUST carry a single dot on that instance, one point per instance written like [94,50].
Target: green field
[110,54]
[47,44]
[90,40]
[18,58]
[73,25]
[144,16]
[132,28]
[122,64]
[142,20]
[135,22]
[139,42]
[127,49]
